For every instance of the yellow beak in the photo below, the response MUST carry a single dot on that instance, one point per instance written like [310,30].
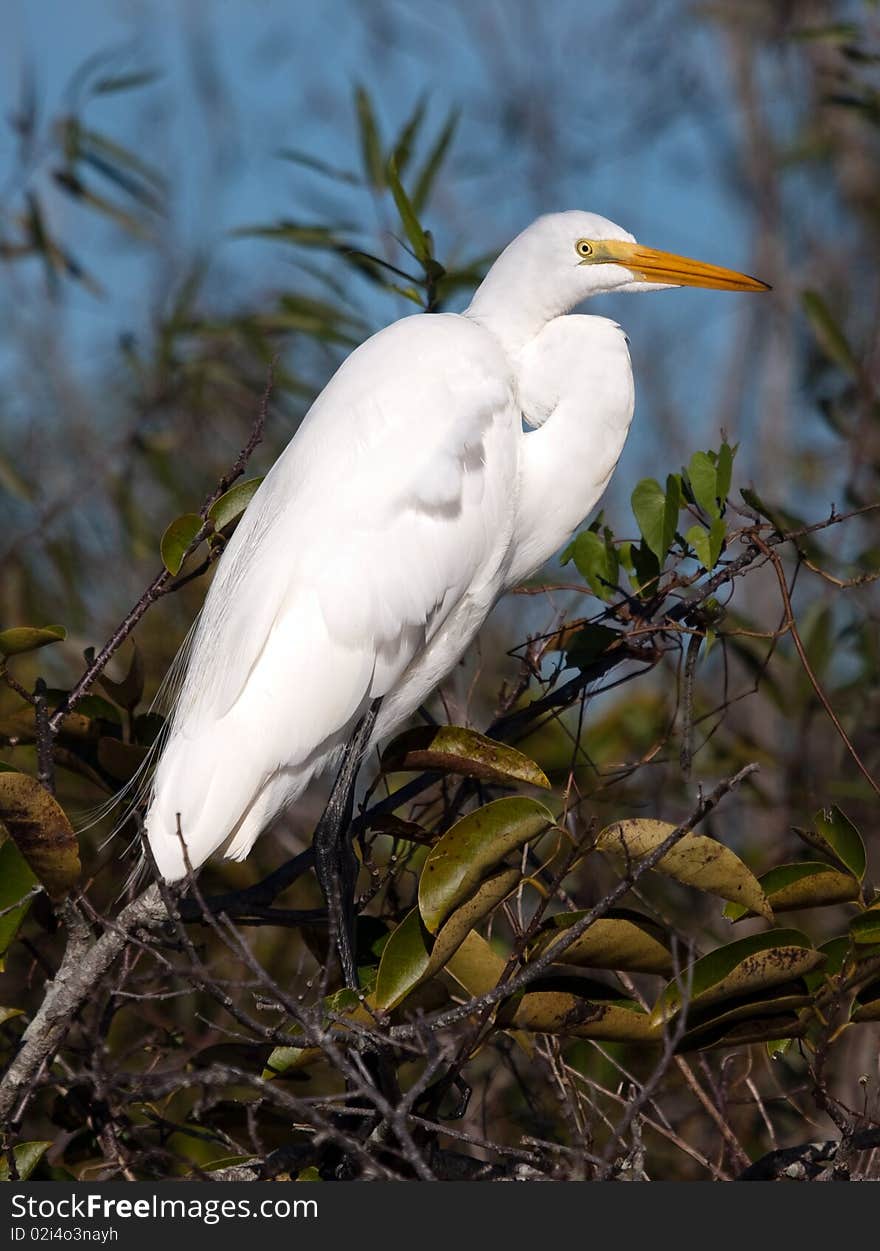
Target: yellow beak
[665,267]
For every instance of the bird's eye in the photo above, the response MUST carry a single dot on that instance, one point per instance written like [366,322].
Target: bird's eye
[583,247]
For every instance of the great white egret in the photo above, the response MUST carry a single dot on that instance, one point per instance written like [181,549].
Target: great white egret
[409,500]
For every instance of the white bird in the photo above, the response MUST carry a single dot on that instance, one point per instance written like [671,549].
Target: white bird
[409,500]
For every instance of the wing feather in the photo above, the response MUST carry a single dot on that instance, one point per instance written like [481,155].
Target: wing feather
[363,538]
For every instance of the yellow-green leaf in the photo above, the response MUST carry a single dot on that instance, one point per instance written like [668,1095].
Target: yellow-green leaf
[695,860]
[27,1157]
[177,539]
[621,940]
[454,749]
[233,503]
[19,639]
[835,835]
[471,849]
[806,884]
[41,831]
[656,512]
[865,928]
[741,968]
[412,954]
[16,882]
[569,1003]
[703,478]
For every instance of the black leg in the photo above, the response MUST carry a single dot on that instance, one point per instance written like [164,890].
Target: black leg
[335,861]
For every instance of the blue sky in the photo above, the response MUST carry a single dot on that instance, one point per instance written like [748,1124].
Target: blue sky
[242,78]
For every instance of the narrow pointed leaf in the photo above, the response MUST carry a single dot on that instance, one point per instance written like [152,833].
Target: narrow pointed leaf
[409,220]
[424,182]
[371,144]
[829,335]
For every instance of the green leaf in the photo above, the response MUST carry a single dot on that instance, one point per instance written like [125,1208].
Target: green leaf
[320,167]
[569,1003]
[433,162]
[621,940]
[16,881]
[777,1047]
[177,539]
[865,928]
[371,144]
[233,502]
[27,1157]
[412,954]
[589,644]
[309,1174]
[807,884]
[703,477]
[476,965]
[697,537]
[596,561]
[404,963]
[305,234]
[473,848]
[695,860]
[724,471]
[834,834]
[745,967]
[9,1014]
[28,638]
[717,535]
[454,749]
[124,82]
[403,145]
[409,220]
[828,333]
[707,1023]
[40,829]
[656,512]
[646,569]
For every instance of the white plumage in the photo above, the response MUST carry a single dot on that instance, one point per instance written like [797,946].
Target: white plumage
[409,499]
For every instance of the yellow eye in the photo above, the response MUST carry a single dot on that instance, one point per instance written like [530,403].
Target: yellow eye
[583,247]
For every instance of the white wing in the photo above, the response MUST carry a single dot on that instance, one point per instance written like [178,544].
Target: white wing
[394,497]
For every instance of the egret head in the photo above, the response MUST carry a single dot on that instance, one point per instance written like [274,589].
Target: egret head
[564,258]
